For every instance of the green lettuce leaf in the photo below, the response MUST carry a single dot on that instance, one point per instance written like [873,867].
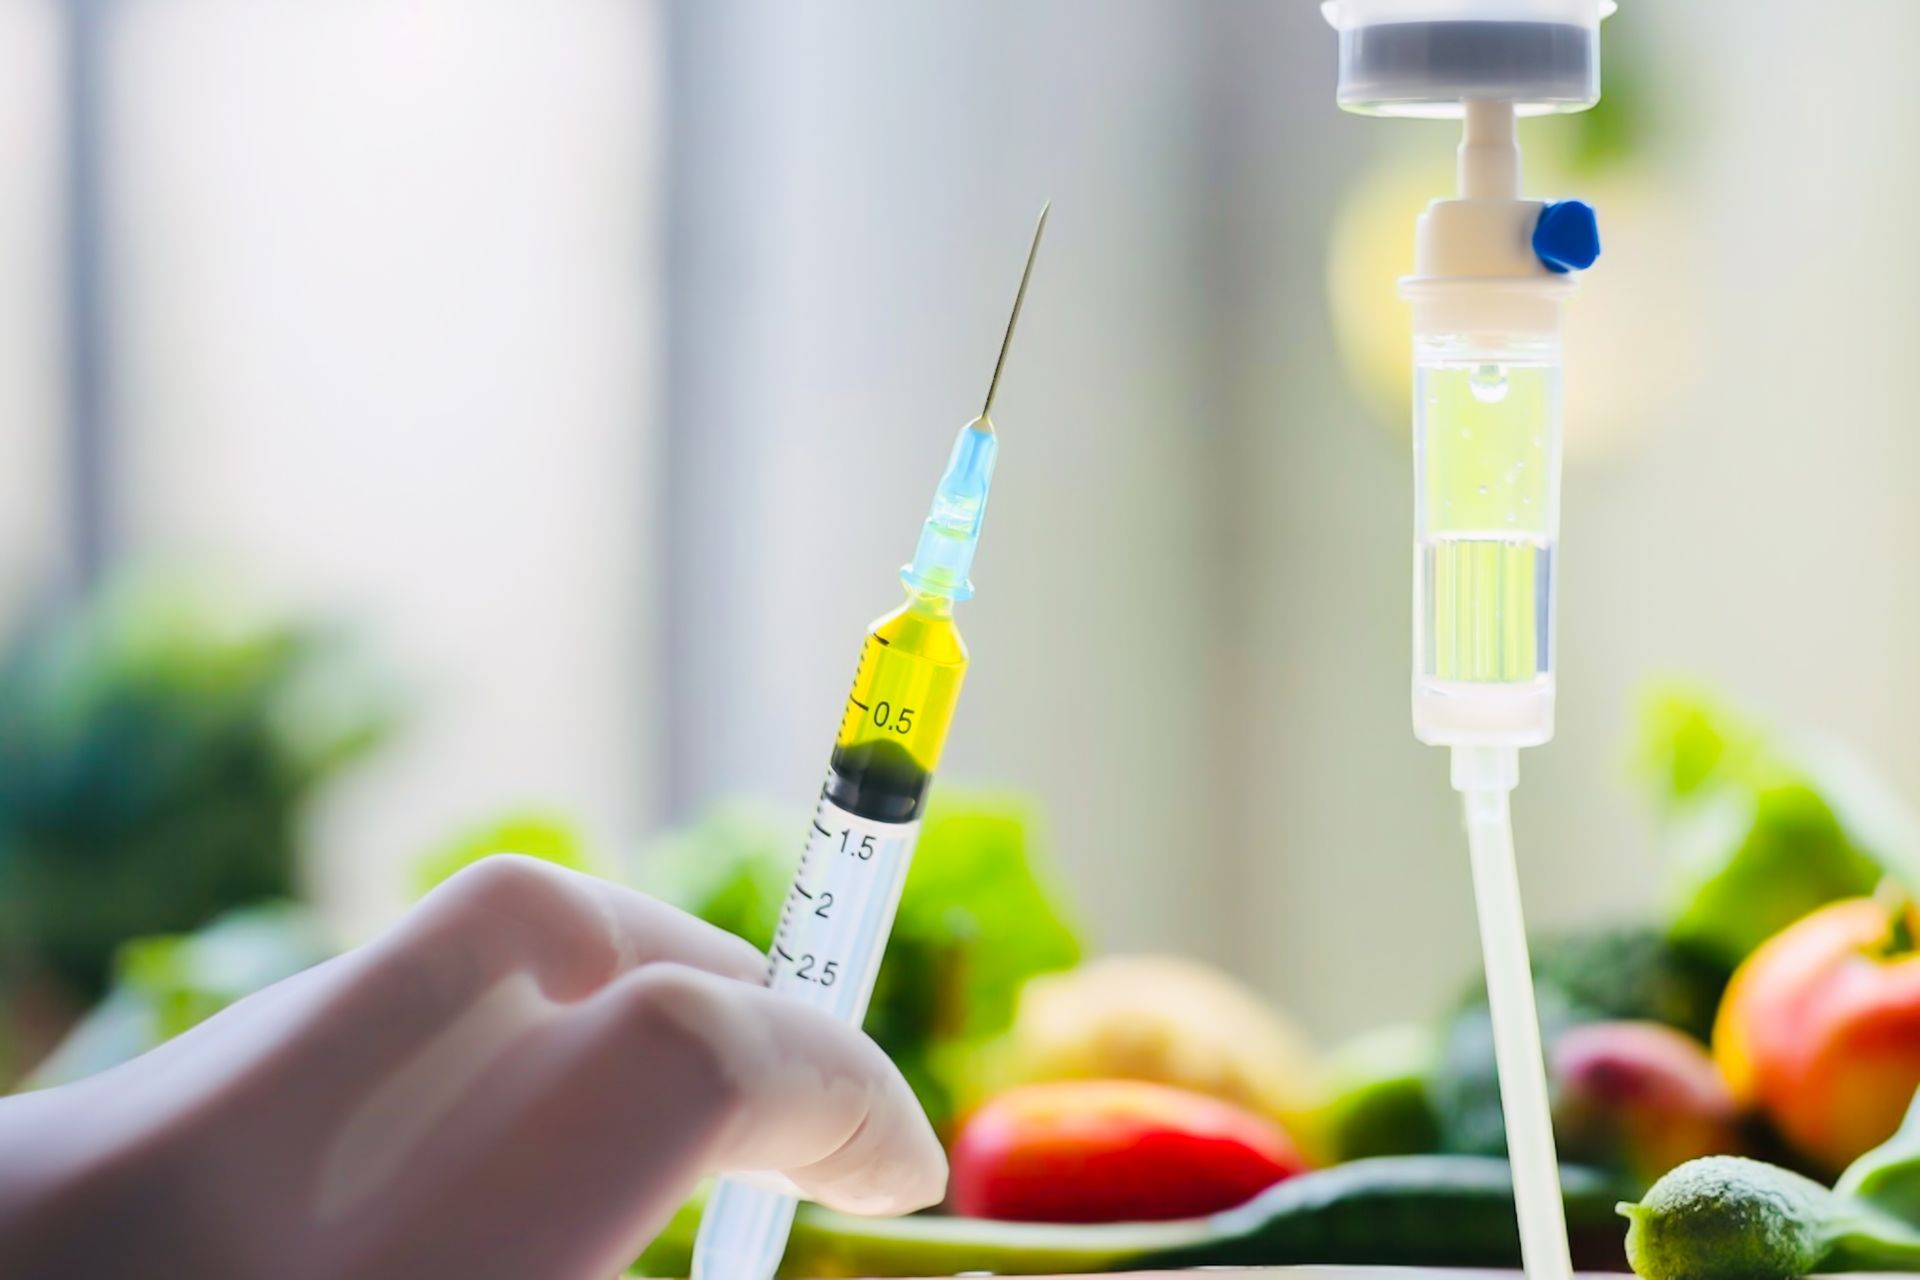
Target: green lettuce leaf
[1761,829]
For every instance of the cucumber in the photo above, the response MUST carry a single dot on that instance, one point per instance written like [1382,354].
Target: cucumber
[1424,1210]
[1453,1211]
[1729,1218]
[825,1245]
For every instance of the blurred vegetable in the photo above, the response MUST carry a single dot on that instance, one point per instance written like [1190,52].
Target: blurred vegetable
[1821,1028]
[1425,1211]
[1639,1097]
[1761,832]
[979,917]
[164,985]
[731,868]
[1633,973]
[1611,974]
[1169,1020]
[1378,1101]
[824,1243]
[1732,1219]
[534,835]
[1412,1210]
[157,753]
[1113,1151]
[1888,1177]
[1727,1218]
[1466,1085]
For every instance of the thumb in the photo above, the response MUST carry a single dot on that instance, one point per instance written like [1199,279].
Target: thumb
[801,1094]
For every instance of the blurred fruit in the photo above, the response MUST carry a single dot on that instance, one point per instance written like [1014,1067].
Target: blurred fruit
[1169,1020]
[1639,1097]
[1113,1151]
[1821,1028]
[1612,974]
[1378,1102]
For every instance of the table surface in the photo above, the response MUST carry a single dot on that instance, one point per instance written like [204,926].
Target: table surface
[1396,1273]
[1329,1273]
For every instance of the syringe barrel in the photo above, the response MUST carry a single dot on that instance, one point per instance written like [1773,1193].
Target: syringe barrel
[839,912]
[1486,425]
[826,954]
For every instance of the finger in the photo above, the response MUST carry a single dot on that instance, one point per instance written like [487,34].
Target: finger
[594,1126]
[574,932]
[799,1093]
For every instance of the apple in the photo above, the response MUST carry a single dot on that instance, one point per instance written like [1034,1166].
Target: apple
[1640,1096]
[1820,1028]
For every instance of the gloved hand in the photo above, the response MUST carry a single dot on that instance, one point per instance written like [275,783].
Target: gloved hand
[522,1078]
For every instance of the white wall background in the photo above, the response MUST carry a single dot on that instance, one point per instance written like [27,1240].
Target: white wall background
[30,374]
[386,288]
[599,357]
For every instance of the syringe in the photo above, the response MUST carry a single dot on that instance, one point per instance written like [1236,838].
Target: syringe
[833,929]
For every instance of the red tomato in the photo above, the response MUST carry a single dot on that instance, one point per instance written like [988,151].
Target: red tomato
[1113,1151]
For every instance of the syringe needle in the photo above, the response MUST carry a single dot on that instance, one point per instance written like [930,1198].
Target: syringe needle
[1019,300]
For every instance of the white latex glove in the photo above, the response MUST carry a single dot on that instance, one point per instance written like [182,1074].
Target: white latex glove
[522,1078]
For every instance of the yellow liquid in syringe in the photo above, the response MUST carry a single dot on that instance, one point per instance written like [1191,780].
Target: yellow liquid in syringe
[895,723]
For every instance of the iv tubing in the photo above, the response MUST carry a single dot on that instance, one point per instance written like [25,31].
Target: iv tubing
[1485,776]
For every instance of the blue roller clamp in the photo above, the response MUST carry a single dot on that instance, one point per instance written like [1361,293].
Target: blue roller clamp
[1567,237]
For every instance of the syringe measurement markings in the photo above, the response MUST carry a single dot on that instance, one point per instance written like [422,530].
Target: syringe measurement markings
[821,960]
[859,669]
[786,925]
